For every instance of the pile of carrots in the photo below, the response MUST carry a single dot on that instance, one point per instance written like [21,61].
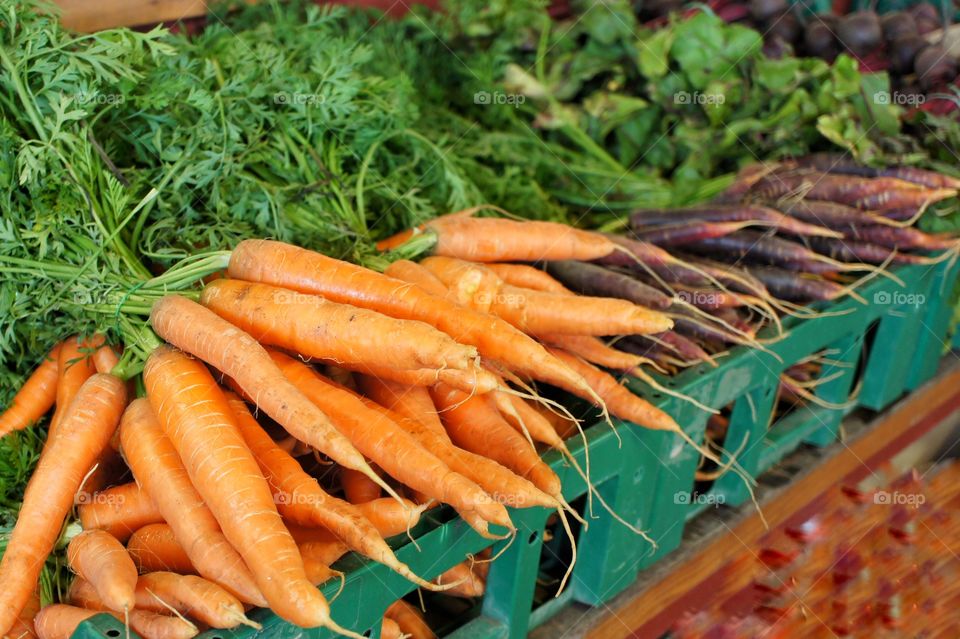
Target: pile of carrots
[197,479]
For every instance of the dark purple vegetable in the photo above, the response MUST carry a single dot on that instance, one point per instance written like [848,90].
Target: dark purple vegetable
[901,238]
[696,218]
[680,234]
[819,37]
[686,348]
[760,247]
[903,53]
[934,66]
[830,214]
[860,32]
[911,198]
[787,28]
[764,10]
[654,258]
[856,251]
[898,24]
[692,327]
[926,16]
[843,164]
[592,279]
[796,287]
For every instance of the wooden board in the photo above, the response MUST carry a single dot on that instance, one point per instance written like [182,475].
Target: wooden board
[649,613]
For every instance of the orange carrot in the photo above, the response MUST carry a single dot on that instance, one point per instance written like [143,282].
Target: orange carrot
[154,548]
[192,597]
[388,516]
[98,557]
[105,359]
[75,366]
[357,487]
[389,629]
[86,428]
[491,476]
[200,332]
[301,500]
[289,266]
[160,472]
[392,448]
[473,423]
[23,628]
[59,621]
[148,625]
[414,273]
[501,240]
[410,620]
[413,402]
[620,401]
[594,351]
[106,471]
[198,420]
[119,510]
[468,583]
[526,276]
[316,327]
[538,312]
[475,381]
[35,397]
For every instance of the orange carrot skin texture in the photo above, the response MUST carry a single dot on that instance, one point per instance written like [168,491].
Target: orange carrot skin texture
[191,596]
[413,402]
[200,332]
[160,472]
[155,548]
[35,397]
[390,629]
[147,624]
[593,350]
[357,487]
[388,516]
[23,628]
[475,424]
[196,417]
[306,271]
[105,359]
[502,240]
[471,585]
[86,428]
[392,448]
[620,401]
[314,326]
[414,273]
[486,473]
[540,429]
[119,510]
[59,621]
[300,498]
[75,366]
[410,620]
[100,559]
[473,381]
[526,276]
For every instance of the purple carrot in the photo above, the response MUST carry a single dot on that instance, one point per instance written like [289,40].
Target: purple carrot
[686,348]
[690,326]
[843,164]
[593,279]
[709,299]
[663,264]
[899,215]
[902,238]
[733,277]
[689,221]
[854,250]
[754,246]
[843,189]
[680,234]
[896,199]
[742,183]
[830,214]
[796,287]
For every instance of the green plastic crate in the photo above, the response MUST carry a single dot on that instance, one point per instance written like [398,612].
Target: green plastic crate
[648,476]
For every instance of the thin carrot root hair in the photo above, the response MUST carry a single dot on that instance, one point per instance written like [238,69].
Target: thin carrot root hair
[176,613]
[573,549]
[908,222]
[654,384]
[738,336]
[814,399]
[343,582]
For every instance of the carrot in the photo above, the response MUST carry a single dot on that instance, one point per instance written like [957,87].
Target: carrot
[105,359]
[537,312]
[148,625]
[412,402]
[760,246]
[98,557]
[473,423]
[486,473]
[789,285]
[389,629]
[357,487]
[75,366]
[35,397]
[86,428]
[387,515]
[410,620]
[856,250]
[315,327]
[525,276]
[474,381]
[196,417]
[902,238]
[154,547]
[23,628]
[309,272]
[59,621]
[390,447]
[159,471]
[107,471]
[469,584]
[902,199]
[417,274]
[192,597]
[593,279]
[838,163]
[501,240]
[594,351]
[119,510]
[300,498]
[200,332]
[682,226]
